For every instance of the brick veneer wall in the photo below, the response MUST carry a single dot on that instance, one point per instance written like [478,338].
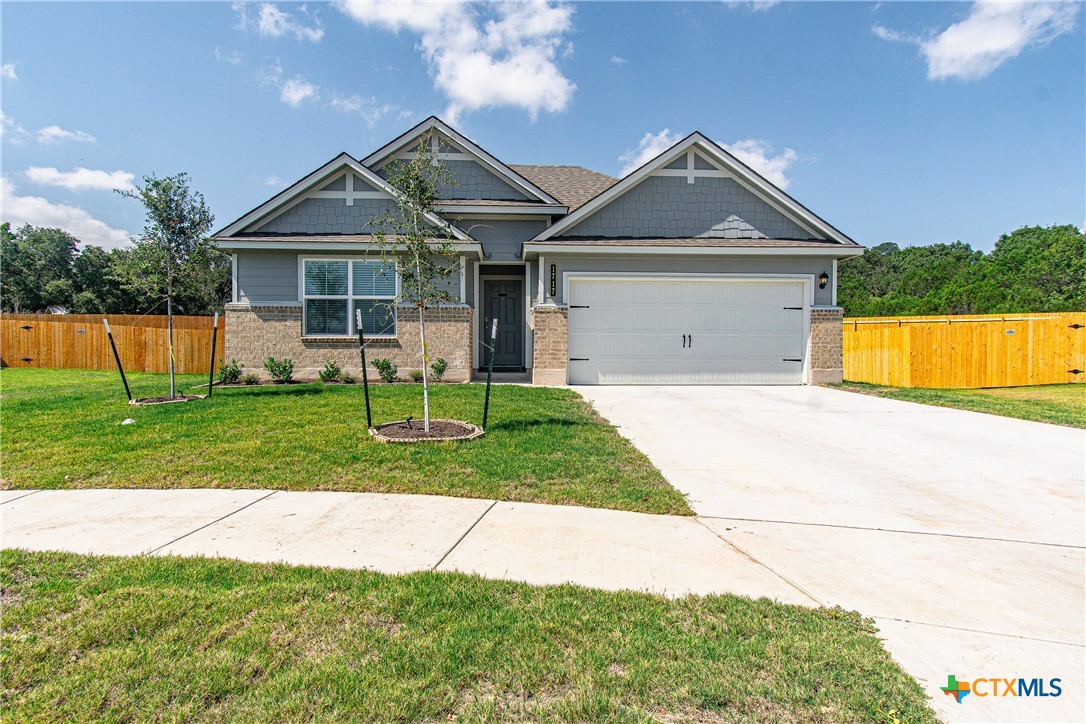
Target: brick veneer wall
[550,355]
[254,333]
[826,346]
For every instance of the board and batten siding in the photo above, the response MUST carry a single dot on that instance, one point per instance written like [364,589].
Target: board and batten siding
[688,265]
[268,277]
[669,207]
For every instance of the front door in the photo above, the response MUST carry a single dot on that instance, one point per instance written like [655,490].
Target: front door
[503,299]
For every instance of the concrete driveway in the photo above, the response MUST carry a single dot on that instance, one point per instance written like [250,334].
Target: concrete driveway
[962,534]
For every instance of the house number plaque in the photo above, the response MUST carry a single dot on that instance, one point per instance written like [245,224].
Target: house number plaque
[554,279]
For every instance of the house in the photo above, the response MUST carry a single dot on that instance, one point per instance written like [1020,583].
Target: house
[692,269]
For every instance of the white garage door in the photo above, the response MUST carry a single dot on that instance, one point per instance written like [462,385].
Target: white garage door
[686,331]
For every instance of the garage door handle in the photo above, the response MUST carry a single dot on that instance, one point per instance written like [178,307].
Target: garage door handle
[684,341]
[690,343]
[800,309]
[786,359]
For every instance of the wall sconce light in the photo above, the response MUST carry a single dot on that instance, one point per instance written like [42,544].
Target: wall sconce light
[823,280]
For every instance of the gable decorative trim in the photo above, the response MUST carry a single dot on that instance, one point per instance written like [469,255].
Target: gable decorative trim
[725,165]
[471,152]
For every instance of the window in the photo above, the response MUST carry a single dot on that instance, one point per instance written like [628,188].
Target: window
[335,288]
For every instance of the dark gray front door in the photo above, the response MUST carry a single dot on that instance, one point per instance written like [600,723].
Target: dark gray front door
[503,299]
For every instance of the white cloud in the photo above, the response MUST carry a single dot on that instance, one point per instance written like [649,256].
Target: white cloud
[295,90]
[273,181]
[618,60]
[80,179]
[271,22]
[35,210]
[233,58]
[484,55]
[12,130]
[759,156]
[753,152]
[55,134]
[370,109]
[17,134]
[755,6]
[275,23]
[649,147]
[992,34]
[7,71]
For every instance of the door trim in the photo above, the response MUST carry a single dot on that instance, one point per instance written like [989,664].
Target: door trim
[808,281]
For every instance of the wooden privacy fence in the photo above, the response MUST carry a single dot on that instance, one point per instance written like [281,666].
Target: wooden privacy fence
[79,341]
[991,350]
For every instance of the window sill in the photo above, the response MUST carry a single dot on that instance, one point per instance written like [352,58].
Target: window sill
[347,338]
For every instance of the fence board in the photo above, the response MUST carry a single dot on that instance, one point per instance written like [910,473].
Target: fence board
[79,341]
[993,350]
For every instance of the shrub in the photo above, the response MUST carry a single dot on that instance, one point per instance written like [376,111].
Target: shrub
[249,379]
[347,378]
[229,372]
[386,369]
[280,370]
[438,368]
[415,375]
[331,371]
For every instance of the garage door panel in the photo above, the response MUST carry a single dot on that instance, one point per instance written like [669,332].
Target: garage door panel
[631,331]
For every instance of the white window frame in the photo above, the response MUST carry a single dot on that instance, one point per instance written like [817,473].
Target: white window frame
[350,297]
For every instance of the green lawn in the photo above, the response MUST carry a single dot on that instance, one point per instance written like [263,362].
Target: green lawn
[1057,404]
[62,429]
[213,640]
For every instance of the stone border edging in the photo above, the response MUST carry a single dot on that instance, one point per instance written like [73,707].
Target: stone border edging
[475,432]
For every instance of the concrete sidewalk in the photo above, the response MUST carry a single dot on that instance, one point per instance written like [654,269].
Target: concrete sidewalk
[539,544]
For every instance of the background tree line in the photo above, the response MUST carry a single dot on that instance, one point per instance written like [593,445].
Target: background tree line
[1034,269]
[172,262]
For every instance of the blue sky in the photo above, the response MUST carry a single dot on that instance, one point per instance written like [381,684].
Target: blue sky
[899,121]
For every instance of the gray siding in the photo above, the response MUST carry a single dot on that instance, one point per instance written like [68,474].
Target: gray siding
[669,207]
[272,276]
[692,265]
[501,238]
[472,182]
[267,276]
[328,216]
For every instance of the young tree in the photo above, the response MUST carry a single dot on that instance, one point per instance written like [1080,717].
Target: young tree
[173,244]
[423,250]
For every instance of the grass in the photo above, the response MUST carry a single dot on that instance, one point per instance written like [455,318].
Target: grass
[62,429]
[214,640]
[1056,404]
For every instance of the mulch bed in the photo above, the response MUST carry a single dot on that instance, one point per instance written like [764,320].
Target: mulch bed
[164,399]
[412,431]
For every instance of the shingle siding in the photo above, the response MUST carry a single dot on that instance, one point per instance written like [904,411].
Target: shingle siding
[472,182]
[669,206]
[328,216]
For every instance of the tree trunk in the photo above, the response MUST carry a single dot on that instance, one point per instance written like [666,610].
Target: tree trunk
[169,320]
[169,324]
[425,353]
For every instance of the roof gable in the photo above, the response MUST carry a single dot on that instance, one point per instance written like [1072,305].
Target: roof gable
[454,148]
[697,157]
[341,179]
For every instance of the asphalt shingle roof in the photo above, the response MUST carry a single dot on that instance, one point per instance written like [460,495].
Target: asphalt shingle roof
[574,186]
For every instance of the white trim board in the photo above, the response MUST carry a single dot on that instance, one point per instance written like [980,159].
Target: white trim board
[603,250]
[295,244]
